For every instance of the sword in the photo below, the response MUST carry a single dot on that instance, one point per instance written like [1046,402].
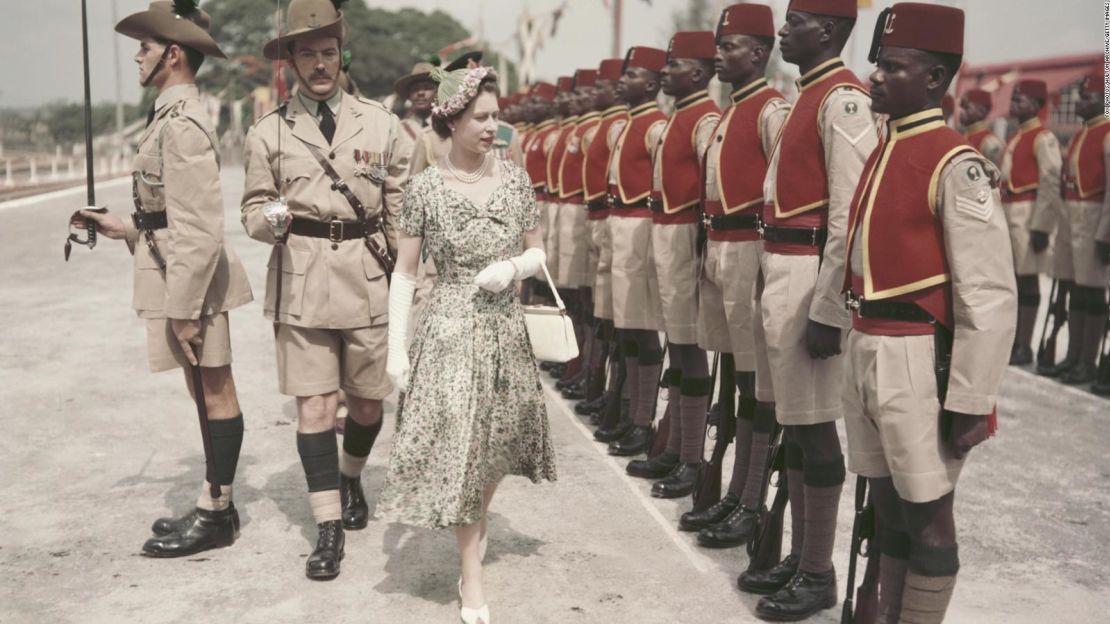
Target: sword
[90,225]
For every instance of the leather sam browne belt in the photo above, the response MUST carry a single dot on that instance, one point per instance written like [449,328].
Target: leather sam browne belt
[722,223]
[149,220]
[888,310]
[334,230]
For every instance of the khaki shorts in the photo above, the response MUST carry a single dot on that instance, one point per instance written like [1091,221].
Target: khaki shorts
[574,247]
[635,289]
[1076,254]
[314,361]
[674,248]
[892,416]
[807,391]
[725,300]
[764,388]
[602,247]
[1025,261]
[549,215]
[164,352]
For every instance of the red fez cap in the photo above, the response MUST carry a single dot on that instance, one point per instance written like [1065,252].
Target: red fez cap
[566,84]
[516,98]
[544,90]
[585,78]
[1095,81]
[693,44]
[980,97]
[928,27]
[835,8]
[651,59]
[1032,88]
[610,69]
[747,19]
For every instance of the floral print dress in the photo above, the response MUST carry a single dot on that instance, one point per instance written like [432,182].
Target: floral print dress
[474,411]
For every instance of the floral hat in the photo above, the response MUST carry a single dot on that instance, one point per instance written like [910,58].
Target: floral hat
[457,88]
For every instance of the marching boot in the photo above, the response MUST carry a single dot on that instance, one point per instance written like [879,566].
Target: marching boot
[571,380]
[575,392]
[764,582]
[655,468]
[806,594]
[1081,373]
[680,482]
[356,512]
[207,530]
[698,520]
[165,526]
[323,563]
[733,531]
[557,371]
[615,422]
[635,442]
[1085,370]
[590,408]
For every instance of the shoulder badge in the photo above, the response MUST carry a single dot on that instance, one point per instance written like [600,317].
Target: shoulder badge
[851,108]
[974,173]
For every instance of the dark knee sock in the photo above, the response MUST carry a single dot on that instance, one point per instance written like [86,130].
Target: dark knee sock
[743,442]
[763,426]
[1029,299]
[1093,326]
[227,440]
[930,580]
[795,483]
[358,441]
[824,481]
[693,406]
[894,552]
[320,459]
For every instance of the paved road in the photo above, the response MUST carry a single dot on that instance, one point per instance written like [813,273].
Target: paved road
[95,447]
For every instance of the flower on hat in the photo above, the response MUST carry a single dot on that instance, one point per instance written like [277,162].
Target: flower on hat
[457,88]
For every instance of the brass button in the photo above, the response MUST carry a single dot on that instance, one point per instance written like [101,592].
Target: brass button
[331,156]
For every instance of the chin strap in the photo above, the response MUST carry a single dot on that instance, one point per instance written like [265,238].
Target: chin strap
[158,67]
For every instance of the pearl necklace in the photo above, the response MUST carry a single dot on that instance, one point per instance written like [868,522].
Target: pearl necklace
[470,177]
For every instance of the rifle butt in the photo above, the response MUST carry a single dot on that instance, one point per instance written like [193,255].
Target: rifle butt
[846,615]
[708,491]
[662,432]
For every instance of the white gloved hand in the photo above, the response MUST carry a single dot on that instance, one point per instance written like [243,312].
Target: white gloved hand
[401,291]
[496,277]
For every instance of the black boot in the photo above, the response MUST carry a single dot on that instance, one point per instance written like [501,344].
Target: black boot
[355,510]
[763,582]
[576,392]
[1056,370]
[680,482]
[805,595]
[698,520]
[207,530]
[1021,355]
[557,371]
[733,531]
[655,468]
[323,563]
[165,526]
[635,442]
[589,408]
[1080,374]
[612,435]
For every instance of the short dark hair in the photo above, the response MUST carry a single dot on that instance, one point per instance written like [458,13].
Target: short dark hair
[442,125]
[193,58]
[951,62]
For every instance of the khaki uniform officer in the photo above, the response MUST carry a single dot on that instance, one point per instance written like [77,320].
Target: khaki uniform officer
[327,289]
[1031,194]
[930,282]
[186,279]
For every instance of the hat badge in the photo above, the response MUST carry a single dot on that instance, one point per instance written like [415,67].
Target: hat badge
[313,22]
[889,30]
[724,19]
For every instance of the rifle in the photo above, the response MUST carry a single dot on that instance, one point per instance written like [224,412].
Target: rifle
[90,192]
[1101,386]
[708,490]
[765,547]
[863,530]
[867,595]
[663,429]
[1058,312]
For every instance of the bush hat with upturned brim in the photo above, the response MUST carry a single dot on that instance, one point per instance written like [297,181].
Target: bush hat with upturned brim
[306,18]
[420,71]
[160,21]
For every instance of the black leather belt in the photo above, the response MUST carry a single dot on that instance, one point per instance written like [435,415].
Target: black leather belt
[721,223]
[615,202]
[888,310]
[334,230]
[597,205]
[655,204]
[814,237]
[149,220]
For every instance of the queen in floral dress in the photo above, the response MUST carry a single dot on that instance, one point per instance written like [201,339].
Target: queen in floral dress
[472,411]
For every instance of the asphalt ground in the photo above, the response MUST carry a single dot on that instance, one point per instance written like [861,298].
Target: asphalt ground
[96,447]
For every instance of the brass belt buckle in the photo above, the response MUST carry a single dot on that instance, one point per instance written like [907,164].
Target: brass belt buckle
[335,231]
[852,302]
[759,226]
[813,237]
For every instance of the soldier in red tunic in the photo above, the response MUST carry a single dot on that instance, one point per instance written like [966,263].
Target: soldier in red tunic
[1076,258]
[1031,194]
[814,170]
[975,109]
[931,286]
[540,107]
[735,166]
[627,422]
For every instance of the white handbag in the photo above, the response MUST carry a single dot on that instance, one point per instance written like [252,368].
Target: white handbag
[550,330]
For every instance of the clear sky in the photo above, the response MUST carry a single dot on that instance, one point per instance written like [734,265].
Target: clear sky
[40,40]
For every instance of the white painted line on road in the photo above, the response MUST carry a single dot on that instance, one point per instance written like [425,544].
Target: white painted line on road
[77,190]
[700,562]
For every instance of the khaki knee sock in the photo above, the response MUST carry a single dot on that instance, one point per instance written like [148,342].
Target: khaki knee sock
[930,580]
[693,409]
[796,489]
[743,456]
[824,484]
[763,426]
[326,505]
[895,551]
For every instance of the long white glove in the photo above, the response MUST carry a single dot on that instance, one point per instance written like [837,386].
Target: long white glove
[497,276]
[401,291]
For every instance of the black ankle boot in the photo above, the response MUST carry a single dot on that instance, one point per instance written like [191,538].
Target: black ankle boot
[733,531]
[165,526]
[576,392]
[356,512]
[635,442]
[769,581]
[698,520]
[680,482]
[612,435]
[806,594]
[589,408]
[323,563]
[206,530]
[655,468]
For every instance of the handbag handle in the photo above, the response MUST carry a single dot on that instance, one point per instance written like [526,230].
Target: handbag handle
[554,291]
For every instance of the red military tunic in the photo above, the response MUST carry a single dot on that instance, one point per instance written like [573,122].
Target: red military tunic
[680,161]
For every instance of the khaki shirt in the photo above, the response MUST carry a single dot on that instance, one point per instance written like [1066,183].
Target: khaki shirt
[848,138]
[429,149]
[1048,205]
[771,120]
[325,287]
[178,171]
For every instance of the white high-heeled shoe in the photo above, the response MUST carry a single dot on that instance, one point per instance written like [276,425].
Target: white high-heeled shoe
[475,616]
